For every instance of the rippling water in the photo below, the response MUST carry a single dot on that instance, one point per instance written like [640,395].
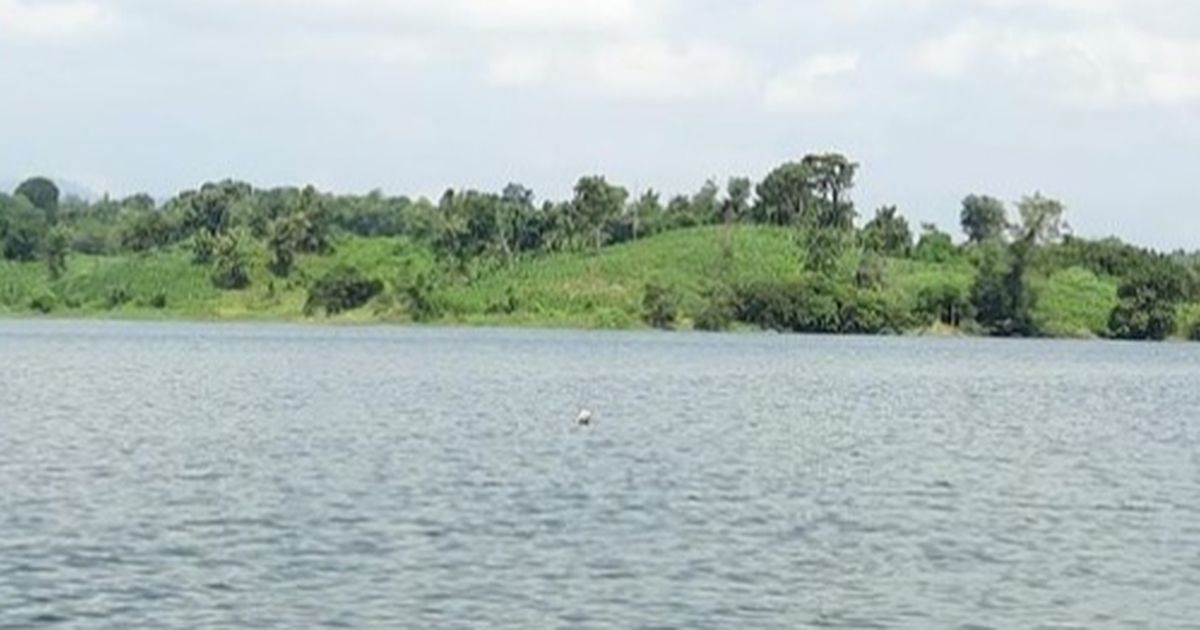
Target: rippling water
[186,476]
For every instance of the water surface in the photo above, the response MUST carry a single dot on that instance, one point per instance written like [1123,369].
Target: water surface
[189,476]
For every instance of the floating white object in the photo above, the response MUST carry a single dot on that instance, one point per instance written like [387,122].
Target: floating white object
[585,417]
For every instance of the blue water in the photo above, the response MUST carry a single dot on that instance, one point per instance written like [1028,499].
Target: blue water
[194,476]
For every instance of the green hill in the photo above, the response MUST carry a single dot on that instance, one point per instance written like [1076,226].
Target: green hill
[580,289]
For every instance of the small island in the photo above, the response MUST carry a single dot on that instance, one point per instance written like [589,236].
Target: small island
[787,253]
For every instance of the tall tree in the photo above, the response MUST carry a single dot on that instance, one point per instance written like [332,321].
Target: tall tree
[646,213]
[1041,220]
[888,233]
[22,227]
[831,177]
[737,199]
[983,218]
[43,194]
[596,201]
[784,194]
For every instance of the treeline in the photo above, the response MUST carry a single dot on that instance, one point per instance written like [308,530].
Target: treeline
[842,290]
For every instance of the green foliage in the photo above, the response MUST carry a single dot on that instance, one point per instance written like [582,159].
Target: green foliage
[211,208]
[935,246]
[343,288]
[719,311]
[596,201]
[831,178]
[660,307]
[826,250]
[1041,220]
[888,233]
[42,193]
[55,248]
[43,302]
[117,297]
[983,218]
[1149,302]
[946,303]
[420,298]
[231,264]
[1000,297]
[142,230]
[1073,302]
[784,195]
[817,306]
[22,227]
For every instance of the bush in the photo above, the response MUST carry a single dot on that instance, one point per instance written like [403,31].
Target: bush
[43,303]
[230,264]
[117,297]
[659,307]
[418,296]
[342,289]
[818,307]
[718,313]
[1150,298]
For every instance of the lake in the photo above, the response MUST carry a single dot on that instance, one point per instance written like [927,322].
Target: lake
[269,476]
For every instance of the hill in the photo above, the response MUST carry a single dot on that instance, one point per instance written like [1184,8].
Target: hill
[603,289]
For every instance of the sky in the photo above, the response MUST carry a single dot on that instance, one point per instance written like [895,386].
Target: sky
[1094,102]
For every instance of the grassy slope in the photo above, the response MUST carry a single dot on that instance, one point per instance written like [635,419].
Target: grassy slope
[587,289]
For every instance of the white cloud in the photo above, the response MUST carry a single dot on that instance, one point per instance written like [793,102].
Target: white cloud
[654,69]
[1095,67]
[517,68]
[549,14]
[818,83]
[41,20]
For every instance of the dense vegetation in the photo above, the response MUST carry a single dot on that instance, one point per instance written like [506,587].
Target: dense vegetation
[788,253]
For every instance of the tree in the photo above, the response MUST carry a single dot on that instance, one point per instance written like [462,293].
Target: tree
[231,264]
[983,218]
[659,307]
[738,191]
[934,245]
[43,194]
[706,205]
[55,248]
[514,211]
[1149,300]
[784,195]
[888,233]
[646,214]
[210,209]
[22,227]
[141,229]
[831,176]
[1001,300]
[596,201]
[1041,220]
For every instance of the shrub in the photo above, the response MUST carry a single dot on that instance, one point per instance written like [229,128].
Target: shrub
[818,307]
[418,296]
[117,297]
[344,288]
[659,307]
[230,264]
[158,300]
[43,302]
[719,311]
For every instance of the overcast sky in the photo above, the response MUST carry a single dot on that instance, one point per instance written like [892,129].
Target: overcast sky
[1096,102]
